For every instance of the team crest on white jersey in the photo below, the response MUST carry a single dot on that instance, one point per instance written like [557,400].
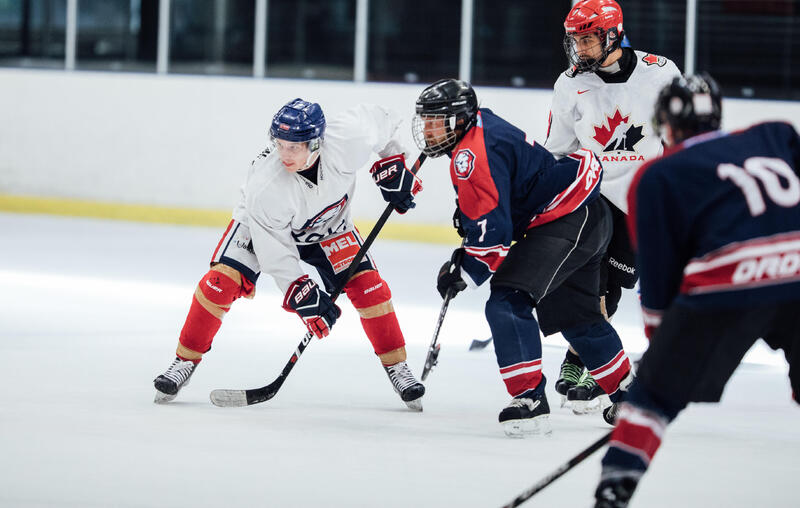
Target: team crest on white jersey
[651,59]
[617,135]
[325,215]
[464,163]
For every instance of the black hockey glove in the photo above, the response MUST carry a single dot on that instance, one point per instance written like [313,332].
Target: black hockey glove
[449,279]
[457,221]
[314,306]
[396,182]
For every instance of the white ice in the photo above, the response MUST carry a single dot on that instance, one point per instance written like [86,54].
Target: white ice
[90,312]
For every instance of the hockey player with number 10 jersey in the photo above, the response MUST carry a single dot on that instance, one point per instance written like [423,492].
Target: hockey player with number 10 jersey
[716,224]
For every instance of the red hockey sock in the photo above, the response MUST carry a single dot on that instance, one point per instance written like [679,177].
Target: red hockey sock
[371,296]
[215,293]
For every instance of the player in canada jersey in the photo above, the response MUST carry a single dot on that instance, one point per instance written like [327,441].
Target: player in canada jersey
[295,205]
[716,223]
[604,103]
[510,190]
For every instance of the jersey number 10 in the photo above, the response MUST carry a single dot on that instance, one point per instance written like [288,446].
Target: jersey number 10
[767,170]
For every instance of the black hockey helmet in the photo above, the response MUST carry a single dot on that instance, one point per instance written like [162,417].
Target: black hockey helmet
[690,105]
[445,111]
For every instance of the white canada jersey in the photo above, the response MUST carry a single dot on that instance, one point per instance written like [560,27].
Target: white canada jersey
[613,120]
[283,209]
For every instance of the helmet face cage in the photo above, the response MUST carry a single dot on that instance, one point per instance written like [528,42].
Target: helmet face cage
[445,112]
[609,40]
[434,134]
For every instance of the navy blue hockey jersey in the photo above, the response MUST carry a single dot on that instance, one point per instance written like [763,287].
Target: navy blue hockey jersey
[506,186]
[716,221]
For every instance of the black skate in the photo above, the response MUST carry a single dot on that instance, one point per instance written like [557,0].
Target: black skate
[405,384]
[615,493]
[526,414]
[610,413]
[587,397]
[170,382]
[568,378]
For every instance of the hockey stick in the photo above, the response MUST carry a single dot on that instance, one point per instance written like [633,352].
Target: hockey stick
[479,344]
[555,475]
[433,350]
[239,398]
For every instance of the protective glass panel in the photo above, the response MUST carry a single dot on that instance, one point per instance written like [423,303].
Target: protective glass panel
[120,35]
[32,33]
[212,36]
[518,42]
[413,40]
[751,47]
[311,38]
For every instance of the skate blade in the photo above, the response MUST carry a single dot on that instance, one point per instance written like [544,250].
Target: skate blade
[415,405]
[528,427]
[163,398]
[564,401]
[588,407]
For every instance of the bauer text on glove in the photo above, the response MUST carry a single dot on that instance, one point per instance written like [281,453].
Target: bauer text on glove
[396,182]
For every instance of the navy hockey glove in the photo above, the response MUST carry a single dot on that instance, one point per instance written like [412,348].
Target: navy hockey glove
[314,306]
[449,279]
[457,222]
[396,182]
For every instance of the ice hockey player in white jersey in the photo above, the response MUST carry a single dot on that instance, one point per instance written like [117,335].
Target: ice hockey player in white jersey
[295,205]
[604,102]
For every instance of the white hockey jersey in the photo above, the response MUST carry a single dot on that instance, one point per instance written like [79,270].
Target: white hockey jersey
[284,209]
[613,120]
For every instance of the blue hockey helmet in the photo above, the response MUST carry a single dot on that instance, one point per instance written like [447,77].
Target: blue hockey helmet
[298,121]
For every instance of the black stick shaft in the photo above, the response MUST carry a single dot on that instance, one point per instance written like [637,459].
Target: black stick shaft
[555,475]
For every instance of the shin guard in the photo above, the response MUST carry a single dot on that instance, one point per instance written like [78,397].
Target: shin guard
[601,350]
[372,298]
[215,293]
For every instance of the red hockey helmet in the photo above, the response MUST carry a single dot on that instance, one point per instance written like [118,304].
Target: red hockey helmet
[599,17]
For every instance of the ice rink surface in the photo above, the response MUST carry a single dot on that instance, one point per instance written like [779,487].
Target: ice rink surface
[91,312]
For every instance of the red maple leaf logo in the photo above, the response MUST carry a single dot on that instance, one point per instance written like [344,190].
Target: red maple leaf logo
[603,134]
[650,59]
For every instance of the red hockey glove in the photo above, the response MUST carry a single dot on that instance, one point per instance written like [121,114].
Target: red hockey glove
[396,182]
[314,306]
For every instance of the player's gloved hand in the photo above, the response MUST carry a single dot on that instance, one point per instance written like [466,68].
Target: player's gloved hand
[396,182]
[450,275]
[314,306]
[457,221]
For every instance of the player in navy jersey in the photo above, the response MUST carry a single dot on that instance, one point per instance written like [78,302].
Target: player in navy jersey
[511,190]
[716,223]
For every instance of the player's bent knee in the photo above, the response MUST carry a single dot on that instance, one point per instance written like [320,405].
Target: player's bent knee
[369,294]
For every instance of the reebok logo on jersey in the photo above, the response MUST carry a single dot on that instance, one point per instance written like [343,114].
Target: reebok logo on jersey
[621,266]
[464,163]
[616,135]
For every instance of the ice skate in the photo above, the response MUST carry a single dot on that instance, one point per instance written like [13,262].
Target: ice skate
[405,384]
[170,382]
[587,397]
[568,378]
[615,492]
[526,414]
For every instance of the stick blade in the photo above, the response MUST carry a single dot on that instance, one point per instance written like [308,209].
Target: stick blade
[229,398]
[479,344]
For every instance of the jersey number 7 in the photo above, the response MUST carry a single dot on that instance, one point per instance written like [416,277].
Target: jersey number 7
[767,170]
